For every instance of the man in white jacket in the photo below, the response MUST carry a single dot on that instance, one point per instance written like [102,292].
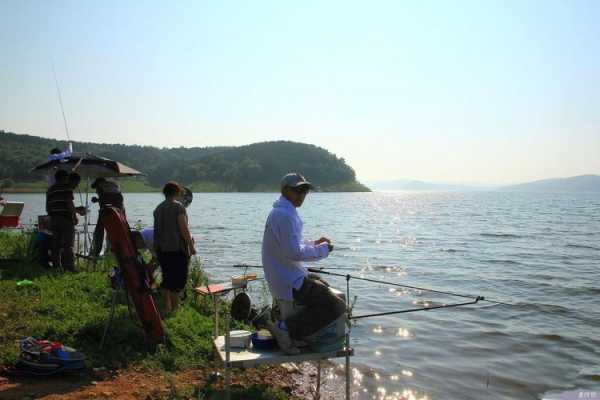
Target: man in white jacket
[283,252]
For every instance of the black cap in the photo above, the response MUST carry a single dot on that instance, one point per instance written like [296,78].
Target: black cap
[294,180]
[97,182]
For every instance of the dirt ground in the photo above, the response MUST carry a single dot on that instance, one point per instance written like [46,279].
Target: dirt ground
[296,380]
[133,385]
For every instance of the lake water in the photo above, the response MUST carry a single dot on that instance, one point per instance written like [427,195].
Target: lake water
[540,252]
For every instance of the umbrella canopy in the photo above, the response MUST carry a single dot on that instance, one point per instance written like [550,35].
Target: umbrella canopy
[88,165]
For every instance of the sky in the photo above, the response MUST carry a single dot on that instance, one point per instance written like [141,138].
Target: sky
[488,92]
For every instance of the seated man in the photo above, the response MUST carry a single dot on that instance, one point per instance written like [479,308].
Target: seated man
[283,251]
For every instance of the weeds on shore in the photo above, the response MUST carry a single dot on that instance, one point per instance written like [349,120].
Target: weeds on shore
[73,308]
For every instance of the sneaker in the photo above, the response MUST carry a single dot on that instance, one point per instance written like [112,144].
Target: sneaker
[282,336]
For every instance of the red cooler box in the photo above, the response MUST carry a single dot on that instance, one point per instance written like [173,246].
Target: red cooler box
[10,213]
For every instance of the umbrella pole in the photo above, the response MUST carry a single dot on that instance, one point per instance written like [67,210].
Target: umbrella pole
[85,218]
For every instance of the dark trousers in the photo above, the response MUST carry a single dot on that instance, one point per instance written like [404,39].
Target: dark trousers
[321,307]
[98,238]
[63,237]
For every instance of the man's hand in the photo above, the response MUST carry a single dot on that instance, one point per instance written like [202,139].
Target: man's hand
[322,240]
[191,248]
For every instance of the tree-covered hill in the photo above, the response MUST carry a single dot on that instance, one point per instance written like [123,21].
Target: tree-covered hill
[255,167]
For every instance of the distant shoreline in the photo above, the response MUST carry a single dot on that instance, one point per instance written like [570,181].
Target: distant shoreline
[194,191]
[138,186]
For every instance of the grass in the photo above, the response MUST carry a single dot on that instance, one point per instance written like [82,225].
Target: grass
[73,308]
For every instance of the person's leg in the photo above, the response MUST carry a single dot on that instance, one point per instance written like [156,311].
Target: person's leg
[166,300]
[55,243]
[174,273]
[165,295]
[175,297]
[68,256]
[321,307]
[98,238]
[180,275]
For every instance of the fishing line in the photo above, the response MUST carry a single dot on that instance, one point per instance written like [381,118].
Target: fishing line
[62,109]
[64,116]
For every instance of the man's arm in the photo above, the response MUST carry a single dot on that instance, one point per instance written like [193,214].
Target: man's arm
[182,223]
[292,246]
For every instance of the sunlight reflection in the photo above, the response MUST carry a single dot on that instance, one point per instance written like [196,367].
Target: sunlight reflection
[357,377]
[399,292]
[402,332]
[409,394]
[422,303]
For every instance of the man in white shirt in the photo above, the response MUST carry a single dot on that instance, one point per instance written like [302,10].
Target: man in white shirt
[283,252]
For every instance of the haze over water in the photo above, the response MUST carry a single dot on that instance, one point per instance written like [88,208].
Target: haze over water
[540,252]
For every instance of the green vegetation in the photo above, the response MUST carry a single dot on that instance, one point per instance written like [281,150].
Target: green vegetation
[73,308]
[251,168]
[137,185]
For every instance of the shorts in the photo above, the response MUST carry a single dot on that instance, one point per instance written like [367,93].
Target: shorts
[175,267]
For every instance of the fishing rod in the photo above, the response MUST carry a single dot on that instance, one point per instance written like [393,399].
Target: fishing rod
[324,270]
[474,299]
[320,269]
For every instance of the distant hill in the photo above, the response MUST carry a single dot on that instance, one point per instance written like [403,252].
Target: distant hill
[581,183]
[407,184]
[255,167]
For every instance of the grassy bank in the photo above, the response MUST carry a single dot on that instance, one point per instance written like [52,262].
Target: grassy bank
[73,308]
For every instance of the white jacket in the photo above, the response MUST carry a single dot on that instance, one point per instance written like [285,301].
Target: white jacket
[283,250]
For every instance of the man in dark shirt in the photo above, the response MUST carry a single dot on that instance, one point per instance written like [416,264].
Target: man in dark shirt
[62,212]
[174,245]
[109,194]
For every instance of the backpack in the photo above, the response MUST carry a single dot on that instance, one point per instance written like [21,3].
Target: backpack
[42,357]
